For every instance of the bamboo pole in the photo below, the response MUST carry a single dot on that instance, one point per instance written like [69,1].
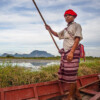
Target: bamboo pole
[45,24]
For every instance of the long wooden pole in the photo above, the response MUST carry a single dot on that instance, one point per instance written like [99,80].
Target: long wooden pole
[45,24]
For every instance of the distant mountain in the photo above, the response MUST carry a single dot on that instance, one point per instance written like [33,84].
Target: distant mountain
[6,54]
[35,53]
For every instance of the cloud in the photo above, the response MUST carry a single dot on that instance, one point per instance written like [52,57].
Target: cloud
[22,29]
[91,31]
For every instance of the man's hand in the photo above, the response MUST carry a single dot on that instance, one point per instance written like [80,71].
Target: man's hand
[48,27]
[50,30]
[71,53]
[70,56]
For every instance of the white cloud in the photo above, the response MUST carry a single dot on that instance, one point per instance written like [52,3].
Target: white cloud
[93,51]
[24,31]
[91,30]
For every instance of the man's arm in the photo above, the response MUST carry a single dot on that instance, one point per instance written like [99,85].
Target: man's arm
[77,39]
[51,31]
[70,54]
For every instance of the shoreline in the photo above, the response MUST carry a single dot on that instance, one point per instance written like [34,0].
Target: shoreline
[26,60]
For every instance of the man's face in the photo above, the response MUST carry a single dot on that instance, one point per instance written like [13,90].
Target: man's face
[69,18]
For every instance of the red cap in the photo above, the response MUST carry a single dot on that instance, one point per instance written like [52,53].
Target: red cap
[71,12]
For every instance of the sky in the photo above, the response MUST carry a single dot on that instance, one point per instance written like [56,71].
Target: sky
[22,30]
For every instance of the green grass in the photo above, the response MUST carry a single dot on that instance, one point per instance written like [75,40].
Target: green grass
[39,58]
[45,58]
[15,75]
[89,67]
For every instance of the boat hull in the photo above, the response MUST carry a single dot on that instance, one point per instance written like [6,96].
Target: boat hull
[47,90]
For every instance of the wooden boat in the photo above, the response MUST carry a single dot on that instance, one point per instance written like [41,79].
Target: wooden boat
[53,90]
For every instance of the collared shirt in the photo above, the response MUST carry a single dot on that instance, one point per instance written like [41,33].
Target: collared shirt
[68,34]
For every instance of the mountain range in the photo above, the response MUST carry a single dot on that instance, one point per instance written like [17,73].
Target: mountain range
[35,53]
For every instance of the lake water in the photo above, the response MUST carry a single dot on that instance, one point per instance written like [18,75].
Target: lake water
[29,63]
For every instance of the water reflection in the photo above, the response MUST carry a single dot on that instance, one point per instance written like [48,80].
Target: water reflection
[39,63]
[32,65]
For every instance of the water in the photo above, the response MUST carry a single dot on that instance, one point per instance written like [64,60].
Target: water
[32,64]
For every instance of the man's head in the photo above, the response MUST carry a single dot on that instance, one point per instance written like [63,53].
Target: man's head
[70,15]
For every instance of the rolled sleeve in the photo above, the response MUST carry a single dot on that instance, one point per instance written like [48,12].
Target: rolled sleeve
[78,32]
[61,34]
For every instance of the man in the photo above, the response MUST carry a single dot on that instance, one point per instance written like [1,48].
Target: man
[70,54]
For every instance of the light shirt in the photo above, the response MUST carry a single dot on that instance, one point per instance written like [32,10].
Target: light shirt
[68,34]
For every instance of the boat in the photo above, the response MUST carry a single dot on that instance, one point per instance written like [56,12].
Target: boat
[88,85]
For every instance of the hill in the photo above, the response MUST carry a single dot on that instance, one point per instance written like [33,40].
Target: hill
[35,53]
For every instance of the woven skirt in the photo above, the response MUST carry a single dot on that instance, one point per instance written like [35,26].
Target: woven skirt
[68,70]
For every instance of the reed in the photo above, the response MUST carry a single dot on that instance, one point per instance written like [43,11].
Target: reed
[15,75]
